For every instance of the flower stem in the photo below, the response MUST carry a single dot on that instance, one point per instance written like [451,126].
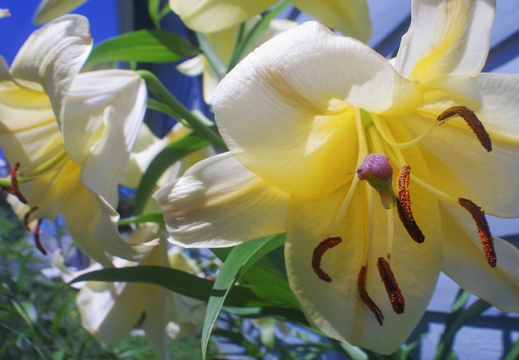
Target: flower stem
[5,182]
[198,125]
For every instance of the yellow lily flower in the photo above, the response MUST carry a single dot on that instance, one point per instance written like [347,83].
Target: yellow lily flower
[317,123]
[50,9]
[69,136]
[110,311]
[222,42]
[349,17]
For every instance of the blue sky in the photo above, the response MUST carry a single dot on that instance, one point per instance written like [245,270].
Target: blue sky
[15,29]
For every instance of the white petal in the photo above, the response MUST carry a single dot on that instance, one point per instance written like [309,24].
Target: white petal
[110,314]
[92,223]
[465,262]
[102,118]
[336,307]
[215,15]
[52,56]
[286,111]
[488,179]
[219,203]
[446,38]
[51,9]
[350,17]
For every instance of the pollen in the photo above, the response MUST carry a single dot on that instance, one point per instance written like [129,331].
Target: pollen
[319,251]
[483,230]
[404,205]
[366,299]
[472,121]
[27,217]
[393,291]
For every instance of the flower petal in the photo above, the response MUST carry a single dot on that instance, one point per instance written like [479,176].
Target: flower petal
[446,38]
[297,91]
[336,307]
[350,17]
[465,262]
[51,9]
[92,223]
[488,179]
[101,121]
[111,313]
[215,15]
[219,203]
[52,56]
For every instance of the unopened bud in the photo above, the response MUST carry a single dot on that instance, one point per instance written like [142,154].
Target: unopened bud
[377,171]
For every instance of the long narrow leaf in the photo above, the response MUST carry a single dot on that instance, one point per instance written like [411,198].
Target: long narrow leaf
[238,261]
[171,279]
[149,46]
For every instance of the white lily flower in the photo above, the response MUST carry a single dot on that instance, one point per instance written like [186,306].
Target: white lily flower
[222,42]
[351,17]
[309,115]
[71,134]
[50,9]
[109,311]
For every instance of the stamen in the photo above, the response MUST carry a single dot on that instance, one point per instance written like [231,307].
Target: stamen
[404,205]
[27,216]
[395,295]
[483,230]
[14,189]
[472,121]
[319,251]
[37,237]
[361,285]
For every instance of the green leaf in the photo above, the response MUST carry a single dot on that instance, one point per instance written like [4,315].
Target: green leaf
[240,258]
[157,218]
[150,46]
[167,157]
[461,318]
[171,279]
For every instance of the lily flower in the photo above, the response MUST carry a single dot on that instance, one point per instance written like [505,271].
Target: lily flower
[50,9]
[322,131]
[349,17]
[69,136]
[110,311]
[222,42]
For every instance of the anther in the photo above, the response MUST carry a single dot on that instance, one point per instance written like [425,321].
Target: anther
[37,240]
[483,230]
[393,291]
[319,251]
[472,121]
[27,217]
[14,189]
[361,285]
[404,205]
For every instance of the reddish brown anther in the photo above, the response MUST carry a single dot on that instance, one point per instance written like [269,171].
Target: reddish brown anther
[14,189]
[319,251]
[393,291]
[472,121]
[483,230]
[37,240]
[366,299]
[404,205]
[27,217]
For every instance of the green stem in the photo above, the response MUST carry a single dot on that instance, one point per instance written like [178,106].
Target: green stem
[181,112]
[5,182]
[212,58]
